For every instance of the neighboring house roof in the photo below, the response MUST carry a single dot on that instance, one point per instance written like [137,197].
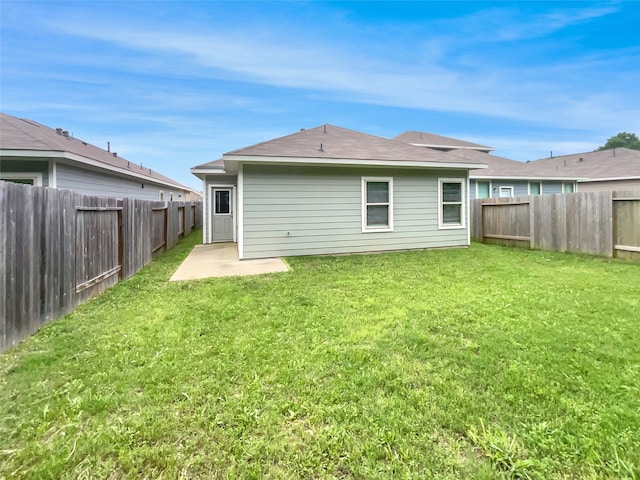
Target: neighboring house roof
[329,144]
[26,138]
[438,142]
[504,168]
[603,165]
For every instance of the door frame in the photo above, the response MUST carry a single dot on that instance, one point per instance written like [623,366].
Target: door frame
[212,189]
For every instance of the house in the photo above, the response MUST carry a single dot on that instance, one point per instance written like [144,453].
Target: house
[614,169]
[503,177]
[330,190]
[35,154]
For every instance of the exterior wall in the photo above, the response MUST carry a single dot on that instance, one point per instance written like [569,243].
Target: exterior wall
[318,210]
[40,166]
[90,182]
[550,187]
[609,185]
[520,187]
[213,180]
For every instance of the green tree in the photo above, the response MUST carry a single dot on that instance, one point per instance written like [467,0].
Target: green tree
[624,139]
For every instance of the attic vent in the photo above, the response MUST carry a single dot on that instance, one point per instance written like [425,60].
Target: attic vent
[302,129]
[59,131]
[580,159]
[321,149]
[115,154]
[65,133]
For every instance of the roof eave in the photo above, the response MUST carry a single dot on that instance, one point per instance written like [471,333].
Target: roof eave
[453,147]
[233,160]
[521,177]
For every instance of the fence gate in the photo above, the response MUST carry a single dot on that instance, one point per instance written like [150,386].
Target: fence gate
[159,228]
[98,248]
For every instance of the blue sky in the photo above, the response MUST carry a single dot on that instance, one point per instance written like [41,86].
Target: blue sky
[176,84]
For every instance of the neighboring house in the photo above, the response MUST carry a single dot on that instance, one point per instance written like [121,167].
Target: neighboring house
[329,190]
[503,177]
[38,155]
[510,178]
[614,169]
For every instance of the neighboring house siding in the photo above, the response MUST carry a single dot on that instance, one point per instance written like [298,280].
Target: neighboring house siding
[91,182]
[551,187]
[26,166]
[609,185]
[520,187]
[318,210]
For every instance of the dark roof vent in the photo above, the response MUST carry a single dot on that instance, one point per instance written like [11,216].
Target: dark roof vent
[59,131]
[115,154]
[580,159]
[65,133]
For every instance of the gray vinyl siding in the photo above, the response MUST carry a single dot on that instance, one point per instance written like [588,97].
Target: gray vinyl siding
[291,211]
[90,182]
[221,180]
[26,166]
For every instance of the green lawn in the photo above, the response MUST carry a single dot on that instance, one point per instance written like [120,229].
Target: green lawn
[487,362]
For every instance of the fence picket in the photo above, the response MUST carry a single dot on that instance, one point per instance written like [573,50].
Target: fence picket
[54,242]
[598,223]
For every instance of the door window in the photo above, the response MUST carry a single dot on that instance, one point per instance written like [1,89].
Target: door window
[222,202]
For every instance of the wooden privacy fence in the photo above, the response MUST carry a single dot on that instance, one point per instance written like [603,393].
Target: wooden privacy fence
[597,223]
[59,248]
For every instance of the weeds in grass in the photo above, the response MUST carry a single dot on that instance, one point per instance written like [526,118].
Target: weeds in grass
[481,363]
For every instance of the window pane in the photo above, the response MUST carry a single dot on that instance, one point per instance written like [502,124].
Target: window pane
[451,192]
[506,191]
[222,201]
[482,189]
[567,187]
[25,181]
[377,192]
[452,214]
[534,188]
[377,216]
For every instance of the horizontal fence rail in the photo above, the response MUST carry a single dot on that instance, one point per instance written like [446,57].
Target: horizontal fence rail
[59,248]
[597,223]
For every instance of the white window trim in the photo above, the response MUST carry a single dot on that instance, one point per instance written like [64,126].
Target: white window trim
[364,181]
[529,188]
[484,181]
[161,195]
[35,176]
[235,215]
[226,189]
[463,206]
[511,191]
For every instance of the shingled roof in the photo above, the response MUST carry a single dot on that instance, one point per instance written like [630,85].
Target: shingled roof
[20,136]
[618,163]
[501,167]
[330,142]
[438,142]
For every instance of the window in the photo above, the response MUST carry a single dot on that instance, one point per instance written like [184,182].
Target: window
[506,191]
[221,202]
[535,188]
[483,189]
[377,204]
[161,196]
[451,194]
[567,187]
[31,178]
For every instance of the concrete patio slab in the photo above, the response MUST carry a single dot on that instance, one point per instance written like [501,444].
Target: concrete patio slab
[221,260]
